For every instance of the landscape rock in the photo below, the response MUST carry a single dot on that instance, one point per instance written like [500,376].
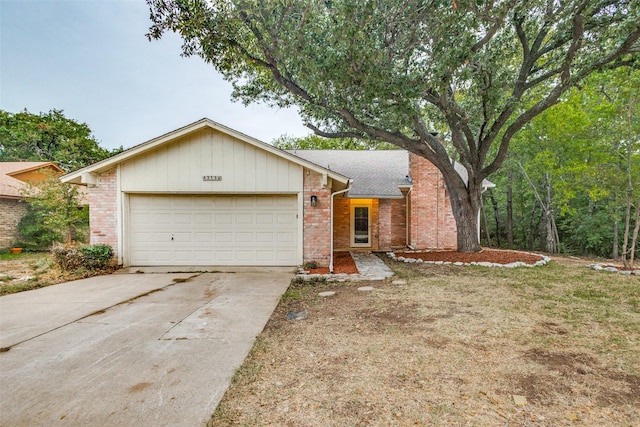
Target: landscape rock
[327,293]
[519,400]
[297,315]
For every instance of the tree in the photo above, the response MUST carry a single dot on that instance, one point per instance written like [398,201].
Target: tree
[315,142]
[48,137]
[585,151]
[393,70]
[55,212]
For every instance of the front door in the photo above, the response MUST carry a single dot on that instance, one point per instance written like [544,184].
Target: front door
[360,226]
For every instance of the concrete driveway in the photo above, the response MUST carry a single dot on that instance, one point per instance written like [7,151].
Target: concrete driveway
[148,349]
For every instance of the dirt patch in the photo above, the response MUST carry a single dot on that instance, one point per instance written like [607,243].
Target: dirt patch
[487,255]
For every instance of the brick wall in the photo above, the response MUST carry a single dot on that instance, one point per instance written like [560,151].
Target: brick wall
[398,223]
[317,224]
[341,222]
[103,221]
[392,224]
[375,224]
[432,223]
[11,212]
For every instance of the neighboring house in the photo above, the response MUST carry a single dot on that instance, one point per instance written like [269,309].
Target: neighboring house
[14,177]
[205,194]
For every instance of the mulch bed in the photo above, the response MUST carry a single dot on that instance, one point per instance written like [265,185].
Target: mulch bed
[487,255]
[342,264]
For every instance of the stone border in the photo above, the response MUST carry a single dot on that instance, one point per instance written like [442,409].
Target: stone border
[543,261]
[339,277]
[611,269]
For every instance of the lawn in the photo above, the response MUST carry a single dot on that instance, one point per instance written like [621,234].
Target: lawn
[546,346]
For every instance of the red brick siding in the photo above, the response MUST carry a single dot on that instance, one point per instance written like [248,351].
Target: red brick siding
[384,224]
[317,224]
[103,221]
[398,223]
[11,212]
[432,222]
[341,222]
[375,224]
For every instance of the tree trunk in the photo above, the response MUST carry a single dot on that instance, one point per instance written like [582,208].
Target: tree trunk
[625,238]
[509,209]
[486,224]
[614,252]
[496,215]
[634,239]
[465,205]
[532,225]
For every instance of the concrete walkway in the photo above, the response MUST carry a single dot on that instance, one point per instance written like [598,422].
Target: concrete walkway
[370,266]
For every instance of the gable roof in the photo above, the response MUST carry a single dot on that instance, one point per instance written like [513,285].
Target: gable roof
[14,176]
[79,176]
[375,173]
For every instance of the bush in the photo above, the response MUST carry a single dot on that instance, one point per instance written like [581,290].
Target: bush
[97,257]
[88,257]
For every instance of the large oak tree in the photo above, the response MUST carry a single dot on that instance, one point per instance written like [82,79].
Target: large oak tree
[395,70]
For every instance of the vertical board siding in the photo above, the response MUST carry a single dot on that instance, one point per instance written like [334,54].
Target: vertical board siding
[179,167]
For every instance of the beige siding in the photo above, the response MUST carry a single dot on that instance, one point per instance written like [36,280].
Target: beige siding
[179,167]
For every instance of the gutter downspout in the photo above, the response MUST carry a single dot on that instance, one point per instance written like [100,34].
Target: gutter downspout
[407,215]
[331,224]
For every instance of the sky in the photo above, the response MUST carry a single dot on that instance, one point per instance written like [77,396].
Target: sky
[91,59]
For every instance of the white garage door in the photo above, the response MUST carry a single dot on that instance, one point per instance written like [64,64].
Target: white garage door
[213,230]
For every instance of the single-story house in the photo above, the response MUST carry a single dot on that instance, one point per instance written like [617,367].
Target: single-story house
[206,194]
[14,178]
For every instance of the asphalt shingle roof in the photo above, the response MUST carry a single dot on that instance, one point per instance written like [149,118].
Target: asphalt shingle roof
[10,187]
[375,174]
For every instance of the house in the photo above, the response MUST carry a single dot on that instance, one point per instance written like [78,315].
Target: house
[206,194]
[14,178]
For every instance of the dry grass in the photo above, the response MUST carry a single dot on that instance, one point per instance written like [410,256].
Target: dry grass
[27,271]
[451,347]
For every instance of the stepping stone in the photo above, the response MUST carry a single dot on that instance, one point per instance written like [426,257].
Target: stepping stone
[327,294]
[297,315]
[365,288]
[399,282]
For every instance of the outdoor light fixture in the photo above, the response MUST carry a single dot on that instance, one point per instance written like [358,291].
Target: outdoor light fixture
[314,200]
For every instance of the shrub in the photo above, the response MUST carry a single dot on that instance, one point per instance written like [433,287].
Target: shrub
[89,257]
[96,257]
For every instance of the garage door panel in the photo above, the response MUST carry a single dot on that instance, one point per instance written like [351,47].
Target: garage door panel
[213,230]
[284,237]
[245,218]
[224,237]
[202,218]
[224,218]
[203,237]
[224,256]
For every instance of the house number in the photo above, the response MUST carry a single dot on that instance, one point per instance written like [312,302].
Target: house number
[211,177]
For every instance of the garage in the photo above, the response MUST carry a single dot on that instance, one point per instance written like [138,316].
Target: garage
[173,230]
[207,195]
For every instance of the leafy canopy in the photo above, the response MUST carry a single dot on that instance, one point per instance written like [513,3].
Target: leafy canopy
[48,137]
[396,70]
